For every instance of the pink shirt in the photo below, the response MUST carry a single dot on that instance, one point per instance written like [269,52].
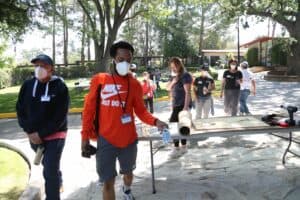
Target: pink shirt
[57,135]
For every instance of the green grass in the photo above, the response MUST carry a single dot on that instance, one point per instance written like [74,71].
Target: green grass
[14,174]
[8,96]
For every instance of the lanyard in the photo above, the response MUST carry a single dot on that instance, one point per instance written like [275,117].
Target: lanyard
[123,105]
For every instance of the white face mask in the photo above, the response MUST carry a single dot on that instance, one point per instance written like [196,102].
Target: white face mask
[40,73]
[173,73]
[122,68]
[232,67]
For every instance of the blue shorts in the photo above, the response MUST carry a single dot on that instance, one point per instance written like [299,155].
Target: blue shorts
[107,155]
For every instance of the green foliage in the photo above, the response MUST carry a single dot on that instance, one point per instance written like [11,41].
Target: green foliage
[16,16]
[178,45]
[279,53]
[5,61]
[252,56]
[71,72]
[20,74]
[5,79]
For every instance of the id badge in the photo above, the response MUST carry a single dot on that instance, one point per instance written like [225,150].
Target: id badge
[45,98]
[125,119]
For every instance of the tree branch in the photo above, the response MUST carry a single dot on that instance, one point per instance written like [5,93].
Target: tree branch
[126,7]
[85,10]
[135,14]
[107,13]
[288,24]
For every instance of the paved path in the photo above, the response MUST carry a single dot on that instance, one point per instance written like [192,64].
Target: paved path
[241,167]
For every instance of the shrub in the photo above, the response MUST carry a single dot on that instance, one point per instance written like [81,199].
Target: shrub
[20,74]
[278,54]
[5,78]
[252,56]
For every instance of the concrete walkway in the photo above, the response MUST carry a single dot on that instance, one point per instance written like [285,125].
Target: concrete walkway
[235,168]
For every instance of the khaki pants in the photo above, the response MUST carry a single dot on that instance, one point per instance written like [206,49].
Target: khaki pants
[203,105]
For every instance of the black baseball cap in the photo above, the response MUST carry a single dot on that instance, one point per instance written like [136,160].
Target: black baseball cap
[44,58]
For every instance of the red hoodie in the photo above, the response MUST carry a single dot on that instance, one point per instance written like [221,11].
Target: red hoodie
[111,111]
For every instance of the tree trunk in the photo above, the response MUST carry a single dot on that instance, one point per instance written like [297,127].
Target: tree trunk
[201,35]
[82,56]
[146,50]
[66,35]
[293,60]
[53,33]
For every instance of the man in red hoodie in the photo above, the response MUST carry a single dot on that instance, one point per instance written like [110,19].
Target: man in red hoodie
[120,98]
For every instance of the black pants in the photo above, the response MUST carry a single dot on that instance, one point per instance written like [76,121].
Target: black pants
[149,104]
[174,118]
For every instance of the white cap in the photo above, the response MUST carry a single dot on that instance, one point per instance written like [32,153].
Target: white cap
[133,66]
[244,64]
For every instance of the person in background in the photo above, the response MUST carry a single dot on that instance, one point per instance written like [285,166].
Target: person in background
[133,70]
[148,91]
[248,82]
[120,100]
[231,83]
[157,75]
[180,89]
[203,86]
[42,108]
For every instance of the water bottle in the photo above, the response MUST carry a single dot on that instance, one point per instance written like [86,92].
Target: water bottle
[39,155]
[166,137]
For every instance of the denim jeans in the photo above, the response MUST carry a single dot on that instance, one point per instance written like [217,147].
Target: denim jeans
[51,163]
[243,101]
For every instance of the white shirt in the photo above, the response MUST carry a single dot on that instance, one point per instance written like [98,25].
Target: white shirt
[247,78]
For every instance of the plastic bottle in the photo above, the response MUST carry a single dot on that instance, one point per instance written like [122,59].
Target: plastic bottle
[166,137]
[39,155]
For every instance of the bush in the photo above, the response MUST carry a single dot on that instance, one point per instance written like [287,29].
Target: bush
[72,72]
[252,56]
[278,54]
[20,74]
[5,78]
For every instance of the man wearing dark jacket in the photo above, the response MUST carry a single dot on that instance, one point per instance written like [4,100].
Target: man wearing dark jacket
[42,109]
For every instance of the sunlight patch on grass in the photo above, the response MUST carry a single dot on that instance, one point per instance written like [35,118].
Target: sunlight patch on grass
[14,174]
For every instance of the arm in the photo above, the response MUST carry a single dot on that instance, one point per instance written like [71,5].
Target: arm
[23,119]
[60,115]
[187,99]
[253,86]
[212,86]
[89,111]
[222,87]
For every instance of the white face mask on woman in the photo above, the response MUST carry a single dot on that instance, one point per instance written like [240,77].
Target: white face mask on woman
[40,73]
[122,68]
[232,67]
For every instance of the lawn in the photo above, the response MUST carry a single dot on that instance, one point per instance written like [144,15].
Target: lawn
[14,174]
[8,96]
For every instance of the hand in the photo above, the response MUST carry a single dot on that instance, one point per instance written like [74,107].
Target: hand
[35,138]
[84,144]
[186,108]
[161,125]
[254,93]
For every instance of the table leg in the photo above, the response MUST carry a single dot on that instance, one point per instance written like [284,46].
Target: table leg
[152,168]
[288,147]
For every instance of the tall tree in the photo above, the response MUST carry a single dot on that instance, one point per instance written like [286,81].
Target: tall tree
[105,18]
[16,16]
[285,12]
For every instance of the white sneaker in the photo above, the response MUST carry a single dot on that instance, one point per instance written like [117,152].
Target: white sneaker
[175,152]
[183,149]
[127,195]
